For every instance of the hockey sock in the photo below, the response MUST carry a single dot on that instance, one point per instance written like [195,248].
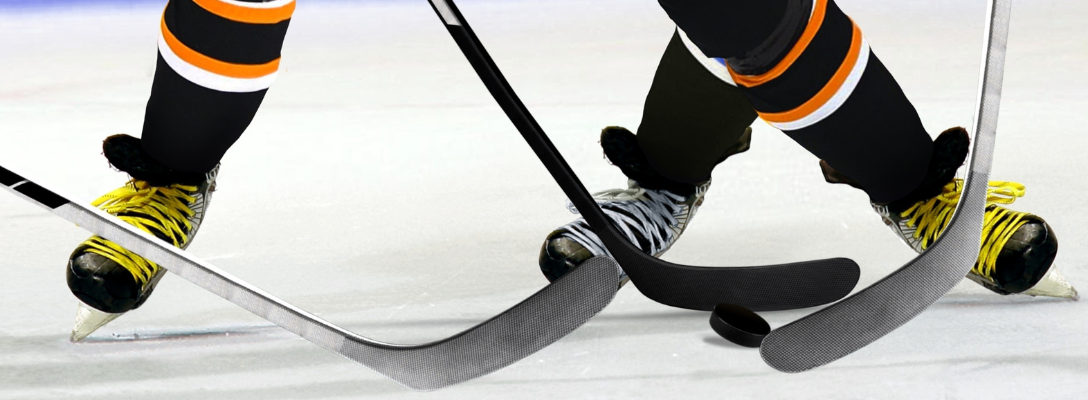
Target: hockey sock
[691,117]
[812,75]
[216,61]
[727,28]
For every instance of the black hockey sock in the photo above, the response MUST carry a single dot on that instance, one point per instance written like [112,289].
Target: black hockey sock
[726,28]
[691,118]
[824,88]
[216,61]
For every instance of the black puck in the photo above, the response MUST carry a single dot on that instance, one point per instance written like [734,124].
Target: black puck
[739,325]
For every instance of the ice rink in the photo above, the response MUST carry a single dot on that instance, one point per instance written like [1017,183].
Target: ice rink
[381,188]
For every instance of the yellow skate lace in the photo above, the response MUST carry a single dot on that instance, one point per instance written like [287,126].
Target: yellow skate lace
[930,217]
[162,211]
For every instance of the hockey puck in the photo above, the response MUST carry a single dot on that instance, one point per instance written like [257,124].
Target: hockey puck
[739,325]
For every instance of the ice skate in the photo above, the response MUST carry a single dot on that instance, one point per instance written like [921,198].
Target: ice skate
[1018,248]
[652,212]
[109,280]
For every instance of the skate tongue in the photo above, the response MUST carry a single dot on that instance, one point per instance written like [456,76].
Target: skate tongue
[89,320]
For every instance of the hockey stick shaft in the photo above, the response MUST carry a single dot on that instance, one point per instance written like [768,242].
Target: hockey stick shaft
[529,326]
[857,321]
[764,288]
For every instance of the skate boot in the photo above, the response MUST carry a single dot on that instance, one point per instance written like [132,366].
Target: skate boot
[652,212]
[1018,248]
[109,280]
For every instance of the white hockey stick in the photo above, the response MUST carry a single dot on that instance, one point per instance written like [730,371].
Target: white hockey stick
[529,326]
[868,315]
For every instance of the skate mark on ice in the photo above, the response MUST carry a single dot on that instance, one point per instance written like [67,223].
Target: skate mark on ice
[143,336]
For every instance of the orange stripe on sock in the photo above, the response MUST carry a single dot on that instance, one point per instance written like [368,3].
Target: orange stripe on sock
[813,26]
[244,71]
[248,15]
[828,90]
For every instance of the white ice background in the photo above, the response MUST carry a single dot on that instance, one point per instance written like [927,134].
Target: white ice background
[382,188]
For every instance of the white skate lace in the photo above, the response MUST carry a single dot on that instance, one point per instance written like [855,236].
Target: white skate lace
[637,213]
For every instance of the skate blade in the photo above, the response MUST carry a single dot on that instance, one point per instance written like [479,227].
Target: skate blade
[1053,284]
[89,320]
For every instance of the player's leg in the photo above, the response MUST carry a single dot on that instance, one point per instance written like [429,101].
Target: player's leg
[813,75]
[692,120]
[216,61]
[808,71]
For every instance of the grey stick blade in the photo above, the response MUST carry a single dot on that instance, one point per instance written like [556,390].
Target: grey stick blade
[535,323]
[529,326]
[868,315]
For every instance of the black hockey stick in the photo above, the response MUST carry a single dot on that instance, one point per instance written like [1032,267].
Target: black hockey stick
[868,315]
[521,330]
[764,288]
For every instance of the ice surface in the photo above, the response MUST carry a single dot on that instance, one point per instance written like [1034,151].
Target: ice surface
[379,146]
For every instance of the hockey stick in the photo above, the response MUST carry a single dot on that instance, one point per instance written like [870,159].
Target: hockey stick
[868,315]
[529,326]
[764,288]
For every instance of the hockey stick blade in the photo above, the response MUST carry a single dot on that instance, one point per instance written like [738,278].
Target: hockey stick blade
[762,288]
[521,330]
[868,315]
